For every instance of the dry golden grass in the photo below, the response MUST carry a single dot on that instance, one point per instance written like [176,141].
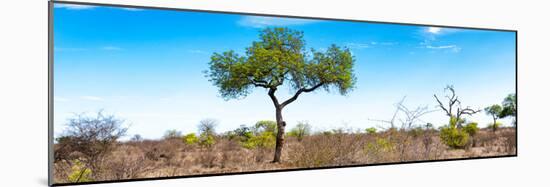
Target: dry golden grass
[172,157]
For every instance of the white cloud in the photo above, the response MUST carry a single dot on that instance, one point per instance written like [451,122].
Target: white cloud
[451,48]
[111,48]
[352,45]
[388,43]
[74,7]
[67,49]
[60,99]
[91,98]
[434,30]
[132,9]
[262,21]
[355,45]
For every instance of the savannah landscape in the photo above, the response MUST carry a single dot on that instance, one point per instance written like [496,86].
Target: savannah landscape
[91,149]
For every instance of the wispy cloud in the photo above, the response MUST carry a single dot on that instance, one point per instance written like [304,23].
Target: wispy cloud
[71,49]
[131,9]
[74,7]
[111,48]
[196,51]
[91,98]
[60,99]
[352,45]
[388,43]
[450,48]
[262,21]
[356,45]
[88,7]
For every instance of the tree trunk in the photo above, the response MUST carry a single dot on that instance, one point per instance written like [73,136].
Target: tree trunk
[494,124]
[280,134]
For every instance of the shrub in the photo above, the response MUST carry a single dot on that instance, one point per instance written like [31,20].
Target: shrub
[416,132]
[471,128]
[207,140]
[494,126]
[79,173]
[371,130]
[380,145]
[243,133]
[190,139]
[264,140]
[265,126]
[453,137]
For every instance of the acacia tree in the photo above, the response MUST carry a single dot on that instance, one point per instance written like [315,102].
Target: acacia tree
[509,107]
[279,58]
[494,110]
[454,102]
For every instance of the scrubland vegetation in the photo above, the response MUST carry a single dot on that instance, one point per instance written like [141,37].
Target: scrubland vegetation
[90,149]
[245,150]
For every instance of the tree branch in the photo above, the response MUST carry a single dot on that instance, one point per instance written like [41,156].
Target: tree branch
[300,91]
[441,106]
[271,94]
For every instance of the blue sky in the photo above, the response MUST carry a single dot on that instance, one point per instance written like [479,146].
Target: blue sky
[146,66]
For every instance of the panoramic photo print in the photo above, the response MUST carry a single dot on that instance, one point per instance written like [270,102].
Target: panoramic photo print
[142,93]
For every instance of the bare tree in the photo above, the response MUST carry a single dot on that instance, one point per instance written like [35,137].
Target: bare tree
[411,117]
[394,116]
[207,126]
[454,102]
[407,117]
[92,138]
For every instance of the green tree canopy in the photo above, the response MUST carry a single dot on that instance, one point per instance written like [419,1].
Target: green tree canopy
[509,108]
[278,58]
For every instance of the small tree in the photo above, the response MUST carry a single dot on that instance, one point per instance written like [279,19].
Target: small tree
[494,111]
[172,134]
[207,126]
[207,132]
[509,108]
[136,138]
[279,58]
[301,130]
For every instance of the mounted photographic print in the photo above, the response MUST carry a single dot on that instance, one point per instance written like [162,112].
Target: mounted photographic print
[140,93]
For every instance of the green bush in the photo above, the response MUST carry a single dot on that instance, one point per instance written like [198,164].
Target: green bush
[190,139]
[453,137]
[79,173]
[371,130]
[265,126]
[381,145]
[242,134]
[206,140]
[494,126]
[471,128]
[264,140]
